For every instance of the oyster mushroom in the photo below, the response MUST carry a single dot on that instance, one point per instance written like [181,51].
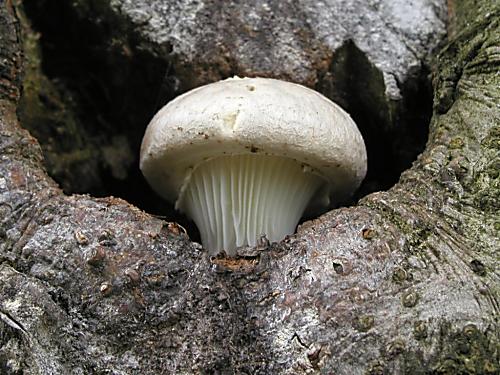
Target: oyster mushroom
[246,156]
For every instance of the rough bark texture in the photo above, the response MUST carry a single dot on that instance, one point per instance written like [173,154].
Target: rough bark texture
[404,282]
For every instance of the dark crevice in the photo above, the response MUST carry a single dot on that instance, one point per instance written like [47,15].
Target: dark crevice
[395,132]
[103,89]
[91,113]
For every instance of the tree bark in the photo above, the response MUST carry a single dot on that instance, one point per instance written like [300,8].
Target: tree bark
[404,282]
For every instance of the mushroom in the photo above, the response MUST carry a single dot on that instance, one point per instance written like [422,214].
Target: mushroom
[244,157]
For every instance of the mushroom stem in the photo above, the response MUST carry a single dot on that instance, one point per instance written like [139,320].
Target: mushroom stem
[235,199]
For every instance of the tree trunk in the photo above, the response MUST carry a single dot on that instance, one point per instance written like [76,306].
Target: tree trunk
[406,281]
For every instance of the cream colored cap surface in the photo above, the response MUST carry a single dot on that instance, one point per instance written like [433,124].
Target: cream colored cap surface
[252,115]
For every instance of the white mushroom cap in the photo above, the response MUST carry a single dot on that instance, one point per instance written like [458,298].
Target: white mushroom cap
[245,157]
[252,115]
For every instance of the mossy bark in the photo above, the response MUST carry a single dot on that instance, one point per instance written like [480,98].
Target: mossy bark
[404,282]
